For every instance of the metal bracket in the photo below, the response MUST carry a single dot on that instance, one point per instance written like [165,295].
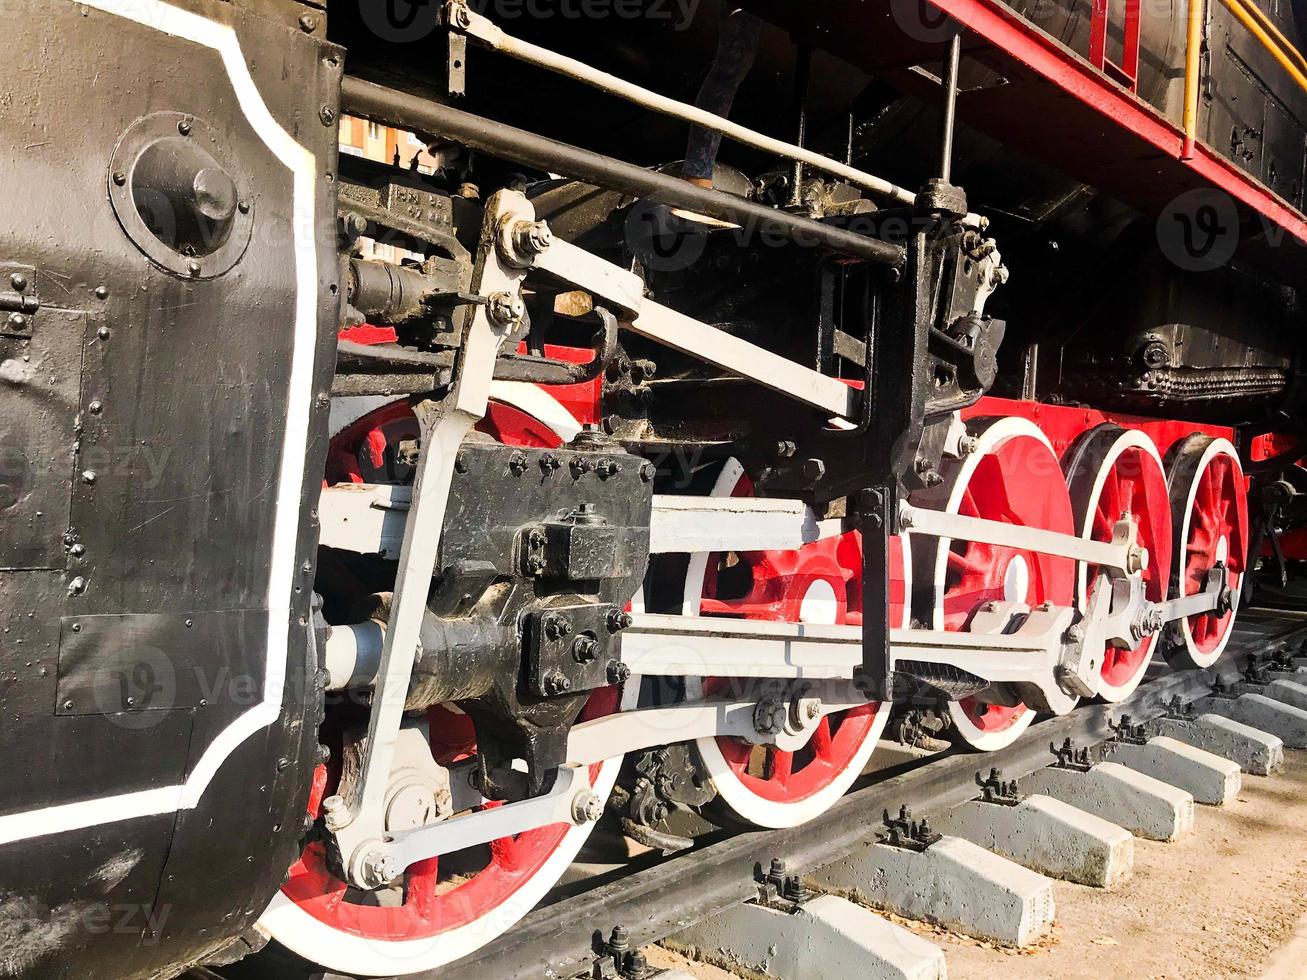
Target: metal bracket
[1070,757]
[19,302]
[995,789]
[905,833]
[359,827]
[1124,731]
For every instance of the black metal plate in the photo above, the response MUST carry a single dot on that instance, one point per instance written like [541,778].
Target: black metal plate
[151,662]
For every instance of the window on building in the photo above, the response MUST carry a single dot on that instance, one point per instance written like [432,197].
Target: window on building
[375,131]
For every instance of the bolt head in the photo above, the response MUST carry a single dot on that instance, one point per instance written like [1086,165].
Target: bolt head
[328,115]
[587,807]
[18,281]
[308,23]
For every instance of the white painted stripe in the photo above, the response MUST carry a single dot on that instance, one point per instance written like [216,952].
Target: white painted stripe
[87,813]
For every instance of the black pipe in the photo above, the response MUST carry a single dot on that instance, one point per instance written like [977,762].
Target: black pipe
[385,105]
[950,86]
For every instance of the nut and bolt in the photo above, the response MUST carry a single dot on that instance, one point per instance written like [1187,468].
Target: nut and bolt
[505,309]
[536,538]
[769,716]
[335,813]
[328,115]
[587,807]
[619,941]
[584,649]
[535,565]
[184,127]
[101,292]
[618,620]
[549,462]
[814,469]
[968,445]
[580,466]
[193,267]
[96,407]
[517,462]
[556,682]
[607,467]
[648,471]
[378,869]
[77,550]
[17,321]
[459,16]
[88,477]
[557,627]
[618,672]
[531,238]
[308,23]
[18,281]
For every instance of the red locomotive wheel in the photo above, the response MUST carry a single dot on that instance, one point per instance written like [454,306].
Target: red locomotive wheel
[1114,473]
[1013,476]
[818,583]
[1209,514]
[450,905]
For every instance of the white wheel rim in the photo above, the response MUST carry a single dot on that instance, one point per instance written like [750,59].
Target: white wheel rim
[1217,447]
[1127,439]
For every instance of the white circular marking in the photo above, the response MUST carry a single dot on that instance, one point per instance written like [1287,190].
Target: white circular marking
[1016,580]
[819,604]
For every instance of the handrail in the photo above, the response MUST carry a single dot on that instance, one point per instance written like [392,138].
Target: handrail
[1192,69]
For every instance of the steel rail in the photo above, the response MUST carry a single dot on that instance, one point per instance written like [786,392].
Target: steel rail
[661,897]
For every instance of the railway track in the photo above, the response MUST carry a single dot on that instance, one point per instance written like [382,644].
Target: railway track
[653,898]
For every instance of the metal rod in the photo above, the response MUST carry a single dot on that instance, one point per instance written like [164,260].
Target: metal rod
[1192,71]
[486,32]
[950,86]
[381,104]
[802,73]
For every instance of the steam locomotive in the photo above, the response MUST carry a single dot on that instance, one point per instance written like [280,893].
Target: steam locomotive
[728,385]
